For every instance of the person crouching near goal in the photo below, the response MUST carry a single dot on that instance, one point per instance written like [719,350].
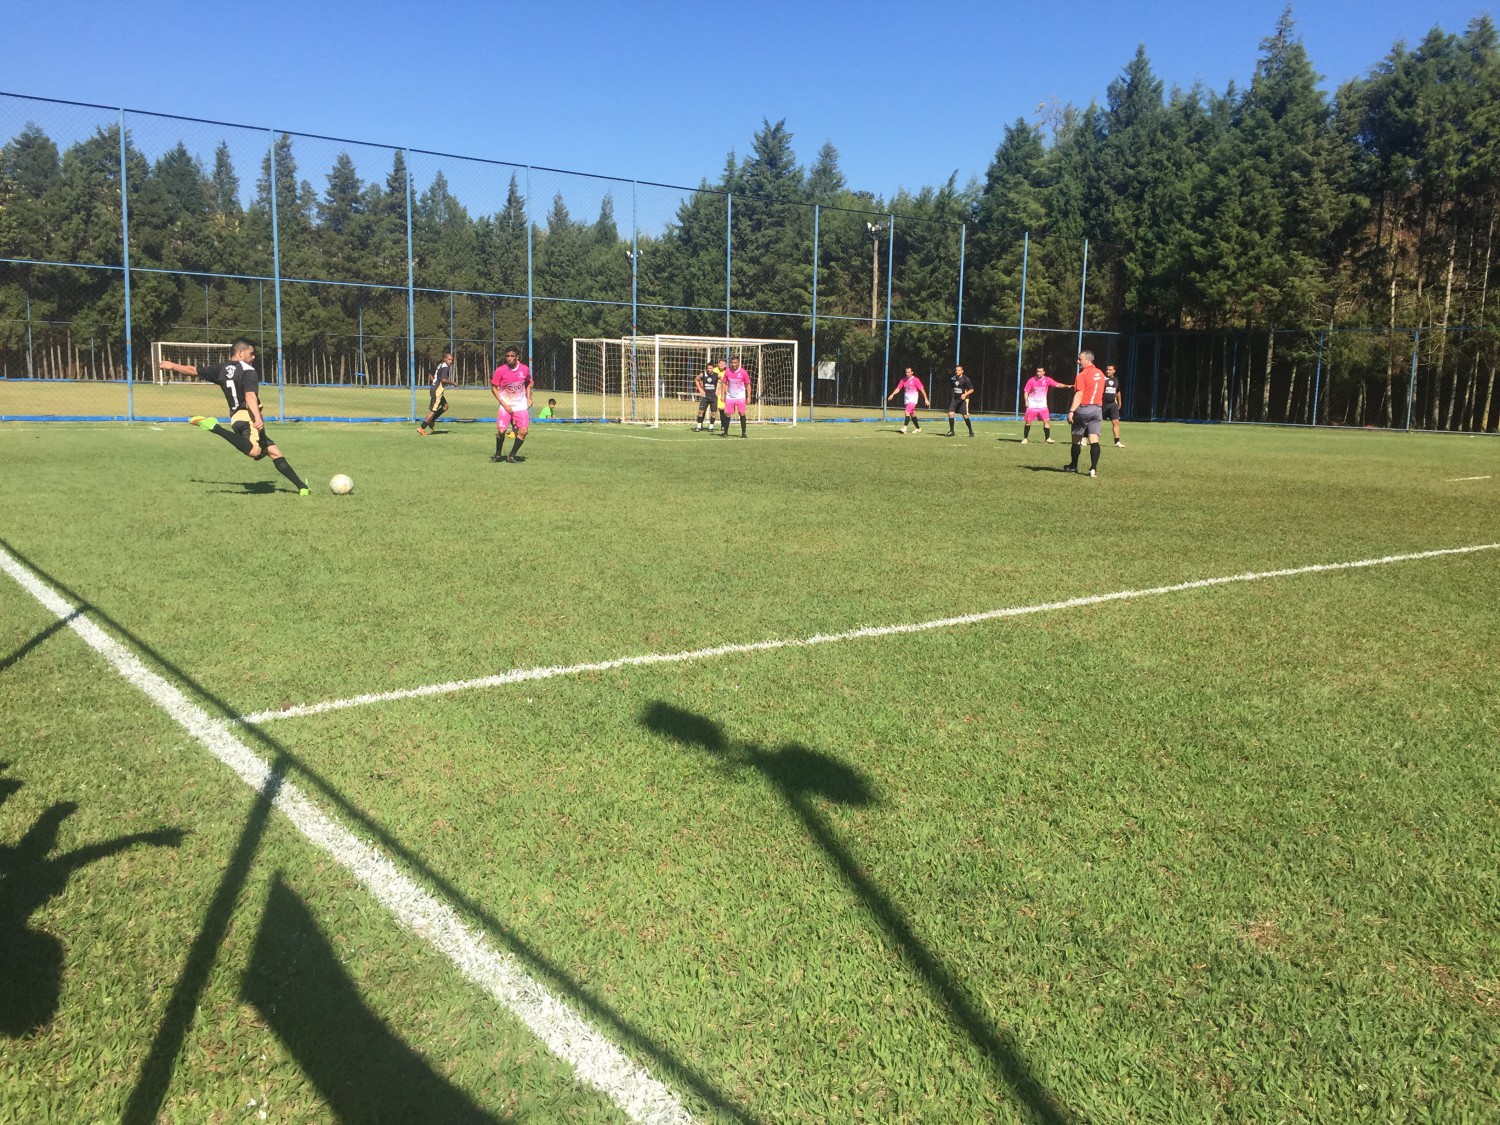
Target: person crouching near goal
[511,386]
[736,396]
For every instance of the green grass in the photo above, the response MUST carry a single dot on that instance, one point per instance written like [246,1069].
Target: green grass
[1225,854]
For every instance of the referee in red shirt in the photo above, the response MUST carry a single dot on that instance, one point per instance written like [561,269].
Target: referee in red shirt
[1086,414]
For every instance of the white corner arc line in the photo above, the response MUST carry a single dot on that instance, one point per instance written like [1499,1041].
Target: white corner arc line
[519,675]
[596,1060]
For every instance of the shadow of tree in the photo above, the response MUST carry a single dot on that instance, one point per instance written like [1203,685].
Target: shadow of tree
[30,877]
[362,1069]
[802,776]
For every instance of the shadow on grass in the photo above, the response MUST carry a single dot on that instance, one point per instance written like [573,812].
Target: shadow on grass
[1044,468]
[155,1075]
[362,1069]
[244,487]
[802,776]
[56,627]
[30,877]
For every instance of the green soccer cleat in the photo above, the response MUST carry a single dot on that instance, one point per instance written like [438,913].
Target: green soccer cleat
[203,423]
[304,492]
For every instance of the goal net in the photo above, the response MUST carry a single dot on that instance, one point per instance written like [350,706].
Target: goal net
[188,354]
[649,380]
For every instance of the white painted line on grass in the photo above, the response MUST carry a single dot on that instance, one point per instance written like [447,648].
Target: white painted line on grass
[1452,479]
[520,675]
[595,1060]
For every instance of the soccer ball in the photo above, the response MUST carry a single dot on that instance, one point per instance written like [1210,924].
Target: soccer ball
[341,485]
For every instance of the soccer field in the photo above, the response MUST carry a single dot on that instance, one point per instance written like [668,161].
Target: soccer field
[828,775]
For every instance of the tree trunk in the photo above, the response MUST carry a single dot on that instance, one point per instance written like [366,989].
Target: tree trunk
[1443,344]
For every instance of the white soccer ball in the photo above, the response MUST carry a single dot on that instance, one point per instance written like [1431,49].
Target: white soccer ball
[341,485]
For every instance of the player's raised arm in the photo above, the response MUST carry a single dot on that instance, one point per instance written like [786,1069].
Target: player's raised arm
[180,368]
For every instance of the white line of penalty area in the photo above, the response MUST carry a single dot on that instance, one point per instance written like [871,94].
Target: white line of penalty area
[596,1061]
[520,675]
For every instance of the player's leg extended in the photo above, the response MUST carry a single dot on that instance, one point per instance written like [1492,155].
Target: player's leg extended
[502,423]
[282,467]
[950,423]
[240,441]
[967,422]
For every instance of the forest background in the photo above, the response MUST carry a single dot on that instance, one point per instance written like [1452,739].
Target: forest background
[1266,253]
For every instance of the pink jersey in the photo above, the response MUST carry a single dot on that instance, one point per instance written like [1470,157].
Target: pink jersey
[736,385]
[911,387]
[512,382]
[1036,391]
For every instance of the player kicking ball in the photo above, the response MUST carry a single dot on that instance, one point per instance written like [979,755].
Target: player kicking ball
[511,386]
[241,386]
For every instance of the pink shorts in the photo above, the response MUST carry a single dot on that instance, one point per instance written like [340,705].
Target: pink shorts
[911,409]
[1034,414]
[733,406]
[520,418]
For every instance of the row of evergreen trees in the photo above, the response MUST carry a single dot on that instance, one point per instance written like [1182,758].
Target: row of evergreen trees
[1268,207]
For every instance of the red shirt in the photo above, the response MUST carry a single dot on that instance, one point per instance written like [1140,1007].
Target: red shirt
[1090,386]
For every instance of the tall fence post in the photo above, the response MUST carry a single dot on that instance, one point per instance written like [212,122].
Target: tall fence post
[1411,394]
[1021,333]
[1318,378]
[1155,375]
[411,294]
[635,324]
[530,276]
[812,368]
[728,255]
[276,286]
[1083,289]
[125,247]
[958,320]
[890,265]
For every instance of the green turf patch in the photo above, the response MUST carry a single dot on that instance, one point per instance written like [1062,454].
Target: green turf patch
[1220,854]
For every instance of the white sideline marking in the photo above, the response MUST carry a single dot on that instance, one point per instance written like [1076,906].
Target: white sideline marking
[1452,479]
[595,1060]
[519,675]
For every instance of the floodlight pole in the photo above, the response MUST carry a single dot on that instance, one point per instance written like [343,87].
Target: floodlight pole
[728,257]
[1021,334]
[1083,288]
[411,296]
[958,326]
[812,367]
[276,286]
[890,266]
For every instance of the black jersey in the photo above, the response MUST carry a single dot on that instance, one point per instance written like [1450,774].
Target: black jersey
[1111,390]
[710,381]
[235,378]
[961,385]
[443,374]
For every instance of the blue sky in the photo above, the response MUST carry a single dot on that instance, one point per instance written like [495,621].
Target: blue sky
[909,92]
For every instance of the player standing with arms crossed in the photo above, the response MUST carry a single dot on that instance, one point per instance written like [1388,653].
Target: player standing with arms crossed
[963,387]
[241,386]
[511,386]
[437,400]
[706,385]
[909,387]
[1114,401]
[1086,414]
[736,396]
[1037,409]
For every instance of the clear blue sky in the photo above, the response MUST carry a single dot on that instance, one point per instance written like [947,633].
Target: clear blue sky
[909,93]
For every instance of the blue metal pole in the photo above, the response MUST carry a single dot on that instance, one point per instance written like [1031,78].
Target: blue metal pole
[1411,397]
[530,275]
[635,322]
[1083,288]
[728,255]
[958,327]
[890,265]
[1021,335]
[125,246]
[812,382]
[1155,375]
[276,284]
[1318,378]
[411,295]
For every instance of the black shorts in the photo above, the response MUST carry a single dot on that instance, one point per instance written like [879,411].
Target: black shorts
[708,402]
[241,424]
[959,405]
[1112,411]
[437,397]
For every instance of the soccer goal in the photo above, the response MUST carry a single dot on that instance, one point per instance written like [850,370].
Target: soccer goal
[649,380]
[188,354]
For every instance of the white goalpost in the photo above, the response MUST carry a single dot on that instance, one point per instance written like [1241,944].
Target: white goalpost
[187,353]
[648,380]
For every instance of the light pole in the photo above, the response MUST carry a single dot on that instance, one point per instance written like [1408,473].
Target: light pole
[876,230]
